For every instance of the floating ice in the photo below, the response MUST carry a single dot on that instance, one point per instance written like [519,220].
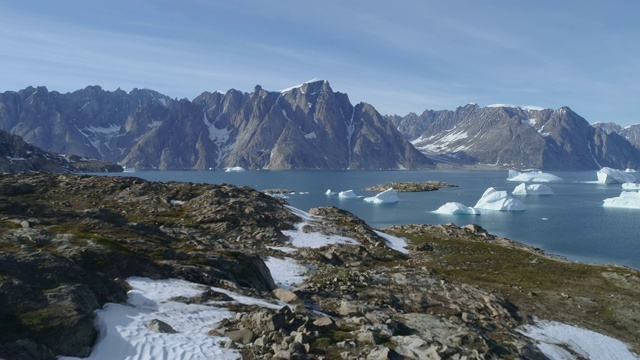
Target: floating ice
[386,197]
[627,199]
[532,189]
[347,194]
[630,186]
[493,199]
[329,192]
[455,208]
[532,176]
[608,175]
[235,169]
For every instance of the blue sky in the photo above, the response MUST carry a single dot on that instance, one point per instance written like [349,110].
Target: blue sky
[400,56]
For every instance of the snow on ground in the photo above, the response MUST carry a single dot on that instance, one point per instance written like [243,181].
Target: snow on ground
[393,242]
[388,196]
[493,199]
[553,336]
[314,240]
[124,333]
[532,189]
[627,199]
[286,272]
[532,176]
[456,208]
[608,175]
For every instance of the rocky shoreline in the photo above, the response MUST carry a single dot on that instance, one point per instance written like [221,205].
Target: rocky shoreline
[410,186]
[69,243]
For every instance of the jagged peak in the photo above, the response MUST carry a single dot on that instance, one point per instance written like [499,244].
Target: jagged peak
[308,82]
[523,107]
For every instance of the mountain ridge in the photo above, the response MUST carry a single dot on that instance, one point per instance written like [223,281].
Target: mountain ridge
[308,126]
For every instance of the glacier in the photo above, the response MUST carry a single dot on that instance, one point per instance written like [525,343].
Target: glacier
[386,197]
[532,189]
[627,199]
[532,176]
[493,199]
[456,208]
[607,175]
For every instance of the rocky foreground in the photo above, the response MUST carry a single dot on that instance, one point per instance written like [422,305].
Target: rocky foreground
[69,242]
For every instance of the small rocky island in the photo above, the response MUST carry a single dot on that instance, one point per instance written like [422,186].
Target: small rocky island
[410,186]
[72,243]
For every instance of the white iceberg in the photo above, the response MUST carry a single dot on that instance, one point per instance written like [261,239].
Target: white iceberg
[455,208]
[532,176]
[329,192]
[493,199]
[349,194]
[630,187]
[627,199]
[608,175]
[235,169]
[532,189]
[386,197]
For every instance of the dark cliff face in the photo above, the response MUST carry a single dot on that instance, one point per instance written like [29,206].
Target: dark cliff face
[309,126]
[516,137]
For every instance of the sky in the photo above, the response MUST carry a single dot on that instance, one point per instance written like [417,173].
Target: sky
[400,56]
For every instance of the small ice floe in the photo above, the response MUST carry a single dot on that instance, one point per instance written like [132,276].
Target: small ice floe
[329,192]
[532,176]
[608,175]
[532,189]
[388,196]
[553,338]
[348,194]
[627,199]
[235,169]
[630,187]
[493,199]
[456,208]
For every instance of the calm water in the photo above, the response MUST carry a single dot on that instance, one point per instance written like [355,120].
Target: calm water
[572,223]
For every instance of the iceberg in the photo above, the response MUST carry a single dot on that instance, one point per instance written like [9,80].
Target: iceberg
[386,197]
[235,169]
[627,199]
[532,176]
[455,208]
[493,199]
[329,192]
[630,187]
[608,175]
[532,189]
[349,194]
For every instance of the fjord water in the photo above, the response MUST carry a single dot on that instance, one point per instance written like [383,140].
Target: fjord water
[572,223]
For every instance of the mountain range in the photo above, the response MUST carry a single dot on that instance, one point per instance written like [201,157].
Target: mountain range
[304,127]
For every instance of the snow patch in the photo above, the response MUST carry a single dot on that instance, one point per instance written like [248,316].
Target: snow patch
[393,242]
[553,337]
[286,272]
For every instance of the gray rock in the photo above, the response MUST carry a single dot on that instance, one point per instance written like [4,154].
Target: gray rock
[160,326]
